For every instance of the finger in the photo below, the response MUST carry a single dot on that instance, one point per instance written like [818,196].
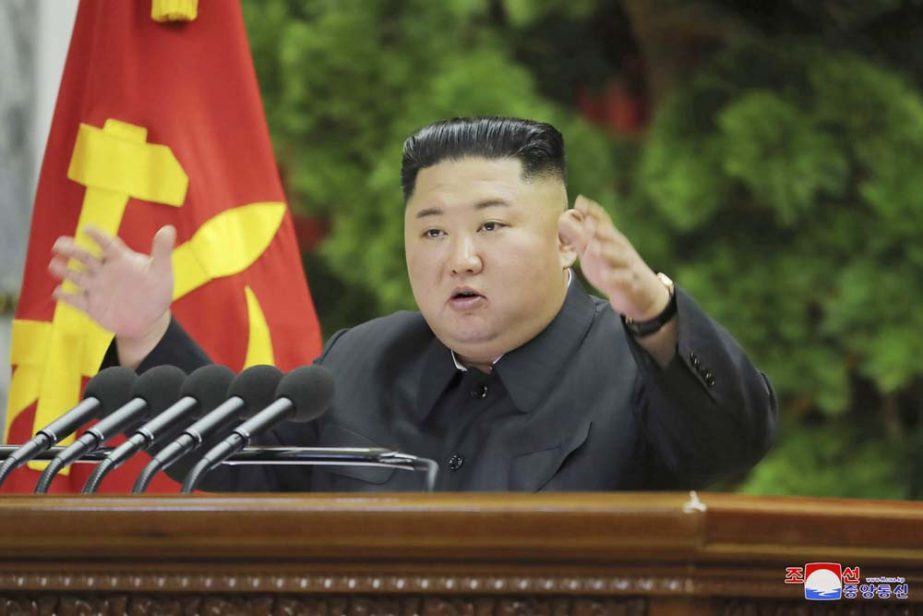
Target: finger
[572,231]
[56,266]
[66,247]
[100,238]
[604,220]
[605,228]
[77,300]
[591,208]
[610,235]
[600,215]
[589,225]
[596,249]
[615,257]
[162,247]
[110,246]
[582,204]
[62,243]
[59,269]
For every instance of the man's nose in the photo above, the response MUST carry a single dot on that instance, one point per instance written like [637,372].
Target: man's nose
[465,258]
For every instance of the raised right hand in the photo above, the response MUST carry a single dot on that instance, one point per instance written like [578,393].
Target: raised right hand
[127,292]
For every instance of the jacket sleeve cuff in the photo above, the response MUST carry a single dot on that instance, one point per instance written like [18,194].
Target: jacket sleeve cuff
[176,348]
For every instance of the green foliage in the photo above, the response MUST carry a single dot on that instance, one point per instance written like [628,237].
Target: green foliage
[778,184]
[523,13]
[788,173]
[348,81]
[777,152]
[835,461]
[849,15]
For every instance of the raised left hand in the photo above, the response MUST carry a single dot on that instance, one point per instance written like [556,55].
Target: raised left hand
[611,264]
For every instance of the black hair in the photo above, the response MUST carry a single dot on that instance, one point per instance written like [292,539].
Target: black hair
[537,145]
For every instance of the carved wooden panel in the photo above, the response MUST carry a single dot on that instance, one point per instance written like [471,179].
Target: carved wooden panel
[755,607]
[413,554]
[212,605]
[434,583]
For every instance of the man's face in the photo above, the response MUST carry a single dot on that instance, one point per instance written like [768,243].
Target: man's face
[486,265]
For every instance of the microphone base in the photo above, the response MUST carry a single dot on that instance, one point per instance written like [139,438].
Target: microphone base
[338,456]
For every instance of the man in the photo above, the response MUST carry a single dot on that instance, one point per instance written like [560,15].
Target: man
[511,376]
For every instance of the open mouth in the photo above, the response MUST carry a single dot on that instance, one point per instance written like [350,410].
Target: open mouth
[465,299]
[465,294]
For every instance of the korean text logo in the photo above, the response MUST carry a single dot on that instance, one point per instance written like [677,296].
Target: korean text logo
[831,582]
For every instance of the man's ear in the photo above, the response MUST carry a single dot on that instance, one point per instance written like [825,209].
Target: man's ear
[570,237]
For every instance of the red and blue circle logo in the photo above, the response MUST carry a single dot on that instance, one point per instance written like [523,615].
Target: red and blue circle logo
[823,581]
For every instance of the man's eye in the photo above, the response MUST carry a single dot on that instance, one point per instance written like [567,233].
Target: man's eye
[432,233]
[492,226]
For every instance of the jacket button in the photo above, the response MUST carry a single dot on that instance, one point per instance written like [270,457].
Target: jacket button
[695,360]
[479,391]
[709,378]
[456,462]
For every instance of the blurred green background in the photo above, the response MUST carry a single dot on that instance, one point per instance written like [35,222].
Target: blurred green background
[764,154]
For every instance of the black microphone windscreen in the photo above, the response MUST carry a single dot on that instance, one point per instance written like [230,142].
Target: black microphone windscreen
[159,387]
[112,387]
[256,386]
[310,388]
[209,386]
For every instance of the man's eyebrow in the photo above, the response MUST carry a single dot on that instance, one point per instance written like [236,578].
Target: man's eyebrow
[480,205]
[430,211]
[490,203]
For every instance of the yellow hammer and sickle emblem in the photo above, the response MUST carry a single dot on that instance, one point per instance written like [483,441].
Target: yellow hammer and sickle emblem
[116,163]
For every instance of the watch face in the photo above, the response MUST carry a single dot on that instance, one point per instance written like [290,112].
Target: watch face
[666,281]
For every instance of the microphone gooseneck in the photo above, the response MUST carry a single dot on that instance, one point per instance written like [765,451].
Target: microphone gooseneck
[250,391]
[152,393]
[107,391]
[303,395]
[202,390]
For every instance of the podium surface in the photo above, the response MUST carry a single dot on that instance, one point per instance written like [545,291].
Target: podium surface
[463,553]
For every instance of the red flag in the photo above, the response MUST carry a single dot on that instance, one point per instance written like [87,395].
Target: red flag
[159,123]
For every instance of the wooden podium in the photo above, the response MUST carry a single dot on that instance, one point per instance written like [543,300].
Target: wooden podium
[435,554]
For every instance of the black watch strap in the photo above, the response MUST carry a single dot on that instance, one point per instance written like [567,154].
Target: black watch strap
[640,329]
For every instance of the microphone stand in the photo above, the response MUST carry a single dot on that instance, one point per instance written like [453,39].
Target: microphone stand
[304,456]
[338,456]
[51,453]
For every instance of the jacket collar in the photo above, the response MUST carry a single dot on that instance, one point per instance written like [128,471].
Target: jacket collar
[527,372]
[530,371]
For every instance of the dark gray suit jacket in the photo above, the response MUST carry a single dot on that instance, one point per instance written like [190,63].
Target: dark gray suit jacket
[597,413]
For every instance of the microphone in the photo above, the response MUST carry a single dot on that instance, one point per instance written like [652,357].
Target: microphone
[105,392]
[303,395]
[202,391]
[153,391]
[249,391]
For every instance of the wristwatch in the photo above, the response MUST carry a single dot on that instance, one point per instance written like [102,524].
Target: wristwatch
[640,329]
